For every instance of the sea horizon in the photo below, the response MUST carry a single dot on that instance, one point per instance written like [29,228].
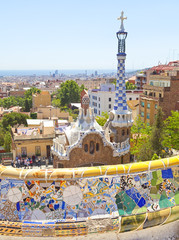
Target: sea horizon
[5,73]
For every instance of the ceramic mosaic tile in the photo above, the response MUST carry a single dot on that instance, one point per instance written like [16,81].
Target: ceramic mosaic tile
[86,199]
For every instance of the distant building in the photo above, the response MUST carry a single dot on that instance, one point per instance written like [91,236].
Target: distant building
[141,79]
[42,99]
[91,84]
[102,100]
[50,111]
[163,92]
[3,94]
[35,140]
[18,93]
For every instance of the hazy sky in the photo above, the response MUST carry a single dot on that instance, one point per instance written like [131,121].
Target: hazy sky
[81,34]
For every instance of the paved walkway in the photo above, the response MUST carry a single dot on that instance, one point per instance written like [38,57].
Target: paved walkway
[169,231]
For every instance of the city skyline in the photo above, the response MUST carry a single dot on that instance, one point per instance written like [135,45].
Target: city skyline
[82,35]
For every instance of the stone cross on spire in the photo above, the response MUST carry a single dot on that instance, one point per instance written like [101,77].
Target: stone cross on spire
[122,18]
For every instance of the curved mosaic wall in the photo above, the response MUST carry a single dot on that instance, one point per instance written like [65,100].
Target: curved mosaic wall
[78,201]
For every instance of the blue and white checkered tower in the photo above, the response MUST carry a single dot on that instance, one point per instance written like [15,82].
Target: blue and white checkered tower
[121,115]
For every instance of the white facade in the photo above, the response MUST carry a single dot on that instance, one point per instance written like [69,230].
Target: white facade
[103,101]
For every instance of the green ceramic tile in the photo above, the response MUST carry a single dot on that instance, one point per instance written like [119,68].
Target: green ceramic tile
[176,197]
[164,202]
[153,190]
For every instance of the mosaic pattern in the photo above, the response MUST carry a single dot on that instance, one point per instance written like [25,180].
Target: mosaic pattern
[84,198]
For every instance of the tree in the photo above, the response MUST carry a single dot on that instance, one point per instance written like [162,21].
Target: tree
[157,134]
[56,103]
[140,145]
[130,86]
[101,120]
[13,119]
[33,90]
[171,131]
[69,92]
[27,107]
[1,135]
[7,142]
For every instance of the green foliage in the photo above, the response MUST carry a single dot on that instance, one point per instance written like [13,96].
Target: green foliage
[130,86]
[25,103]
[1,135]
[69,92]
[171,131]
[101,120]
[13,119]
[140,143]
[56,103]
[29,92]
[7,142]
[12,101]
[33,115]
[155,157]
[152,142]
[114,82]
[157,134]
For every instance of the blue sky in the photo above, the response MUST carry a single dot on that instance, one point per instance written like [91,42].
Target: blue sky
[81,34]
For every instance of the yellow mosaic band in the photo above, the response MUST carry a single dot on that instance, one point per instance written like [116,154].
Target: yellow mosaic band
[83,172]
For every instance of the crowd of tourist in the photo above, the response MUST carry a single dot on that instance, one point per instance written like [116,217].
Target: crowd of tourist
[28,162]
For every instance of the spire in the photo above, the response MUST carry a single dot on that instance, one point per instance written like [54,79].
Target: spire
[120,105]
[122,117]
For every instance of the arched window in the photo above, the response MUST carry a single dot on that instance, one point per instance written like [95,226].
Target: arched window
[123,132]
[97,147]
[123,116]
[86,147]
[127,131]
[91,147]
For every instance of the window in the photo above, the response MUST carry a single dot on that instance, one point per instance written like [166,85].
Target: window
[150,94]
[154,94]
[137,98]
[37,151]
[148,105]
[99,112]
[160,95]
[95,110]
[86,147]
[91,147]
[155,106]
[148,115]
[109,105]
[97,147]
[130,98]
[60,165]
[142,104]
[99,98]
[142,114]
[145,93]
[109,89]
[109,99]
[123,132]
[127,131]
[122,160]
[23,151]
[99,105]
[118,116]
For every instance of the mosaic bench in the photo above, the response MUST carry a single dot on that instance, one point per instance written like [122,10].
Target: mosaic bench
[80,201]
